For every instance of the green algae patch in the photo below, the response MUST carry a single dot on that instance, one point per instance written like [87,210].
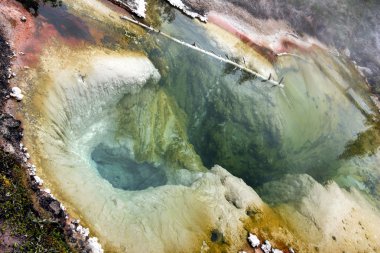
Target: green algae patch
[157,127]
[26,230]
[158,12]
[259,132]
[366,143]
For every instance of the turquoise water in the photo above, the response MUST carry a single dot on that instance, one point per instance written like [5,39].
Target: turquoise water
[117,166]
[256,131]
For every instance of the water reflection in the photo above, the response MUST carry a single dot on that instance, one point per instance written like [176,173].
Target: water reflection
[66,24]
[259,132]
[33,6]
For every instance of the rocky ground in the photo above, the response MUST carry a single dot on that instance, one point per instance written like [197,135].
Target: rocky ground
[24,226]
[31,219]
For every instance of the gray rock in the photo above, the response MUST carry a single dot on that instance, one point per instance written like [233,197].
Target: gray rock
[55,207]
[8,148]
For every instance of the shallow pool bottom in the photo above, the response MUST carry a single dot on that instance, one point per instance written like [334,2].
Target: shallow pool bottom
[117,167]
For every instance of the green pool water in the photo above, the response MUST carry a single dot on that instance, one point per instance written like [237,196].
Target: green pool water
[257,131]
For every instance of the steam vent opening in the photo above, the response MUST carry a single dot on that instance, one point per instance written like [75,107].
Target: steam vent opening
[123,172]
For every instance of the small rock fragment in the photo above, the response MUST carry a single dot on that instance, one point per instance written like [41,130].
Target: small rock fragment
[347,52]
[8,148]
[72,227]
[205,247]
[23,19]
[54,206]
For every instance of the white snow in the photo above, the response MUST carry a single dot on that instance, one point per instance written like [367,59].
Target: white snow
[180,5]
[84,231]
[38,180]
[136,6]
[140,8]
[94,245]
[177,3]
[16,93]
[62,206]
[266,247]
[253,240]
[47,190]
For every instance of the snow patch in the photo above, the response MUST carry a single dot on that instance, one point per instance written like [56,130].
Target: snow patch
[180,5]
[140,8]
[253,240]
[16,93]
[136,6]
[94,245]
[38,180]
[266,247]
